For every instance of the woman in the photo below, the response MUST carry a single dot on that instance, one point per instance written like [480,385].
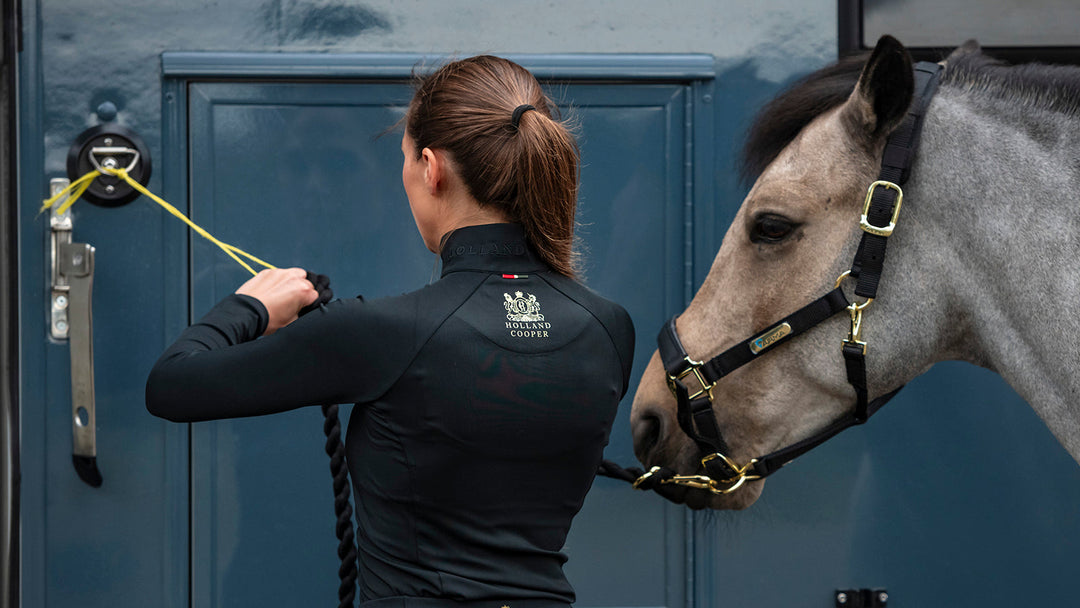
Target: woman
[484,400]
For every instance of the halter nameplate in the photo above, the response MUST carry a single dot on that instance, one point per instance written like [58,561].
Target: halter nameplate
[769,338]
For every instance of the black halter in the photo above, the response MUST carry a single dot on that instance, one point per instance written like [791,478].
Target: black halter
[695,415]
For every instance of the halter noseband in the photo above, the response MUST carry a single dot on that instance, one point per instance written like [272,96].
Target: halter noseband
[881,210]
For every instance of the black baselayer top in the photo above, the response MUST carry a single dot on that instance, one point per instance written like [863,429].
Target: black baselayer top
[484,402]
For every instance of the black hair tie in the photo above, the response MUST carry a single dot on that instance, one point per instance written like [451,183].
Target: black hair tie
[515,120]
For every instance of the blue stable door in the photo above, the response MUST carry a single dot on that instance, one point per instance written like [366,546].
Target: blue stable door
[303,173]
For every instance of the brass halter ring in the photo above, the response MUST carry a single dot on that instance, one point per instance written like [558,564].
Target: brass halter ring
[704,482]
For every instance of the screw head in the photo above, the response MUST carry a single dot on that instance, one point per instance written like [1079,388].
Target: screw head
[110,189]
[841,598]
[106,111]
[883,597]
[108,141]
[60,302]
[61,326]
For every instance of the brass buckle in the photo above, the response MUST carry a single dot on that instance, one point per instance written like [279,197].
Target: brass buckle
[878,230]
[704,482]
[695,368]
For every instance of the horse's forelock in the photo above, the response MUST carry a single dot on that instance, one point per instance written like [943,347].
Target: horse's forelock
[780,120]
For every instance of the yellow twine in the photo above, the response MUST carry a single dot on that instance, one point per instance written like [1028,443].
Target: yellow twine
[79,186]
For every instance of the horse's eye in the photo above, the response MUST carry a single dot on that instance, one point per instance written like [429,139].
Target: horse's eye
[770,228]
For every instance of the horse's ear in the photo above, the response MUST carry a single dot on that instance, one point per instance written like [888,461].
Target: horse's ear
[882,96]
[971,47]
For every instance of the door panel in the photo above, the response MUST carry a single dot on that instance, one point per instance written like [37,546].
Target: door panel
[296,173]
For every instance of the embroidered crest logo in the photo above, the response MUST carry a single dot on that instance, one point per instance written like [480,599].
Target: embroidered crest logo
[522,308]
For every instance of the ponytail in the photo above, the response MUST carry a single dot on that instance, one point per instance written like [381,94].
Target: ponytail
[527,168]
[547,188]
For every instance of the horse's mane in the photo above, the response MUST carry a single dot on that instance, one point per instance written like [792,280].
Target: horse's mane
[1031,85]
[1028,85]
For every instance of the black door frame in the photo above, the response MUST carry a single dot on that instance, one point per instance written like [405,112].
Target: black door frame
[10,46]
[850,40]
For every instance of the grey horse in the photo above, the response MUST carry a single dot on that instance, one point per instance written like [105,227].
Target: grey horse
[982,267]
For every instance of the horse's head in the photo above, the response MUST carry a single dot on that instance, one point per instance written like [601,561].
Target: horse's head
[794,234]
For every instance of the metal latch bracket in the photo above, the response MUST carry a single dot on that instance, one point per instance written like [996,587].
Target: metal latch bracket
[71,318]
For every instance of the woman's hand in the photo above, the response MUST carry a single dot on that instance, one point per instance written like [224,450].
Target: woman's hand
[283,291]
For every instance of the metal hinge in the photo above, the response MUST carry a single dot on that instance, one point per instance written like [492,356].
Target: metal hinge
[862,598]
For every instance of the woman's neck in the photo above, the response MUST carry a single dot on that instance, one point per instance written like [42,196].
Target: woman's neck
[466,213]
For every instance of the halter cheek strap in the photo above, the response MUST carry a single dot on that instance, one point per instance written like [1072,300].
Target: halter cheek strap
[695,415]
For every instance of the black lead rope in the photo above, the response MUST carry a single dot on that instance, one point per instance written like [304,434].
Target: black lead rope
[695,415]
[346,550]
[339,470]
[638,478]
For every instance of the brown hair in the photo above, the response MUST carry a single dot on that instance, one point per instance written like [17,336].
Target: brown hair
[529,172]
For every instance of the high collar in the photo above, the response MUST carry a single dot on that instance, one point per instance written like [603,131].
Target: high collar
[490,248]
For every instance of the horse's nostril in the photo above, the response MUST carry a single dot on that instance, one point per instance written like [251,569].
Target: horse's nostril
[646,435]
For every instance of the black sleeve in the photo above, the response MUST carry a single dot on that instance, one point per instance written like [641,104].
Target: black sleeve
[336,354]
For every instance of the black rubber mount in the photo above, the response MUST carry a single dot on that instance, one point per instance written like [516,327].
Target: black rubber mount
[107,190]
[87,469]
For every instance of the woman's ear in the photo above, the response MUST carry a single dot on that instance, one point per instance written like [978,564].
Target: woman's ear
[434,169]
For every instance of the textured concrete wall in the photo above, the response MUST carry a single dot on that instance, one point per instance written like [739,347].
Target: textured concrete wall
[992,22]
[93,51]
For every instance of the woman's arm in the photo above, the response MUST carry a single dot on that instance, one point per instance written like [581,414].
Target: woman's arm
[282,292]
[217,369]
[347,351]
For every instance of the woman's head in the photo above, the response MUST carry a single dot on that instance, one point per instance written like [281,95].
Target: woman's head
[528,173]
